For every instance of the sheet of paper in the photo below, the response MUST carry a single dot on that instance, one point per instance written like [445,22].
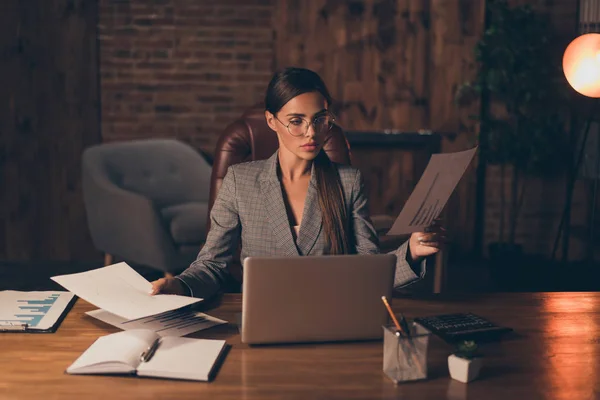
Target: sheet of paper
[171,323]
[432,192]
[120,290]
[39,310]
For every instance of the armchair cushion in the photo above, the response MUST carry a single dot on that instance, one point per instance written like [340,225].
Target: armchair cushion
[186,222]
[126,185]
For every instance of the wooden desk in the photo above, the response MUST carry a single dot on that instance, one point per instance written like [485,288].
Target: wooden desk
[554,355]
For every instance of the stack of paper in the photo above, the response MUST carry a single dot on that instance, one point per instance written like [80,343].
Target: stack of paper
[124,299]
[171,323]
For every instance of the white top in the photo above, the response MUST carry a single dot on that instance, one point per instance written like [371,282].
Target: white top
[296,231]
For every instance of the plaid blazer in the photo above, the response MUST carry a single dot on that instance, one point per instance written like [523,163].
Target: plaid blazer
[250,208]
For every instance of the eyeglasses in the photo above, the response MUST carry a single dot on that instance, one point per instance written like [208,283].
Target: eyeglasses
[299,126]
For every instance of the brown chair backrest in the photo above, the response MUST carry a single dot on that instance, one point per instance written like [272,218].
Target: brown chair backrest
[249,138]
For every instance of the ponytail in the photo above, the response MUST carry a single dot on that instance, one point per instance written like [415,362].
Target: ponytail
[333,206]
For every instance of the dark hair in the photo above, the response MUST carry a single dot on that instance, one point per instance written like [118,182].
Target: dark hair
[284,86]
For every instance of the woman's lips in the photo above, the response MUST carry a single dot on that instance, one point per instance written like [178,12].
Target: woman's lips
[310,146]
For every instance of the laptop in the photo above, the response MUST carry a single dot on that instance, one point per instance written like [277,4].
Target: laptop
[315,298]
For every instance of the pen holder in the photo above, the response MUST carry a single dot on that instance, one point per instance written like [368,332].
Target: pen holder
[405,358]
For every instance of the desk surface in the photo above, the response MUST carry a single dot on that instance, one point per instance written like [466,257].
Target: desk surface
[554,354]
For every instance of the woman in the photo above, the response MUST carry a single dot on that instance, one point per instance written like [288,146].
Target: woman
[295,203]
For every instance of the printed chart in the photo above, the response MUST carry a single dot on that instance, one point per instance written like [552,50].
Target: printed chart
[38,310]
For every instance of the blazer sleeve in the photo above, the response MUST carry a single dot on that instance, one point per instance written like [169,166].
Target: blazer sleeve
[367,241]
[206,275]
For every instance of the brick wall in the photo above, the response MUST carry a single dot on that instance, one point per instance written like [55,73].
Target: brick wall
[181,68]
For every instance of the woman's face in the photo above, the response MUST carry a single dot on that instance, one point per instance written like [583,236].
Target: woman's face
[295,114]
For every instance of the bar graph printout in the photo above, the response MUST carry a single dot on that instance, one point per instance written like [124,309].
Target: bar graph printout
[432,192]
[39,310]
[171,323]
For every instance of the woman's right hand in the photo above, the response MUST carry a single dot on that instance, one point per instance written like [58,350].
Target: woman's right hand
[169,286]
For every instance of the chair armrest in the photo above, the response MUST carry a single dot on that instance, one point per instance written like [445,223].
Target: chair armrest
[126,224]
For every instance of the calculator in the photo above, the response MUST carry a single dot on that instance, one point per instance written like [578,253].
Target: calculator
[462,326]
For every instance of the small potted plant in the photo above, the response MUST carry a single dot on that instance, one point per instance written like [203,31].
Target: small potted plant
[465,363]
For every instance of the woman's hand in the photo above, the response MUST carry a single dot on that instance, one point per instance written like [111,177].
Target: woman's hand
[169,286]
[424,244]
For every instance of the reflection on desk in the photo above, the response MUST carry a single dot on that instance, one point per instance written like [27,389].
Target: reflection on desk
[555,353]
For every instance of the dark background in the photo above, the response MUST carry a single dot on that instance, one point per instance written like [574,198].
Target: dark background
[77,73]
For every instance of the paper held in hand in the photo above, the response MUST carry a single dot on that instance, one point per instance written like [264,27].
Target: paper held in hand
[432,192]
[120,290]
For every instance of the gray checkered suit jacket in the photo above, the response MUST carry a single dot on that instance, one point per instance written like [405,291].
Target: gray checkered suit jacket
[250,208]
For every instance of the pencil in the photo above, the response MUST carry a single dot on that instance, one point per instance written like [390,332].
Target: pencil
[399,328]
[387,305]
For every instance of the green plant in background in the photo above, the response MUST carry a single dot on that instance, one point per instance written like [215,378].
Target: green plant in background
[467,349]
[523,121]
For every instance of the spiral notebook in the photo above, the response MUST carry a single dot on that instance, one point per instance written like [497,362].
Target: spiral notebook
[143,352]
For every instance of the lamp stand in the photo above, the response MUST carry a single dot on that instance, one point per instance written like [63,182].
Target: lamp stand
[564,225]
[594,204]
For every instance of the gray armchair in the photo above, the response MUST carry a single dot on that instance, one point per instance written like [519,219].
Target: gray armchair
[147,201]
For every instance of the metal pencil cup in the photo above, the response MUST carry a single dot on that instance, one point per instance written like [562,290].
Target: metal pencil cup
[405,358]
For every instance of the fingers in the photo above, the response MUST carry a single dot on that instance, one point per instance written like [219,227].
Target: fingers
[435,226]
[430,244]
[431,239]
[157,286]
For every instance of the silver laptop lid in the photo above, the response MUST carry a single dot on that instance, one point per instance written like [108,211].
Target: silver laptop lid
[315,298]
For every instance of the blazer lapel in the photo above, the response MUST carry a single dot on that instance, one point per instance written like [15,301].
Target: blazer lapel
[272,198]
[311,218]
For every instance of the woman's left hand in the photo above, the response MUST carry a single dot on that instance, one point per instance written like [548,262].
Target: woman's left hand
[423,244]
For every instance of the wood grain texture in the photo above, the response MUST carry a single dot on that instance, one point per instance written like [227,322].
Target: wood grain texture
[393,64]
[48,115]
[555,353]
[391,168]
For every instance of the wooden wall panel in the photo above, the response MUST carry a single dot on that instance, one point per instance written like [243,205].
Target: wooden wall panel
[391,171]
[392,64]
[48,115]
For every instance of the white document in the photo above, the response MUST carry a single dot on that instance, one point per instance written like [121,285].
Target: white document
[120,290]
[171,357]
[432,192]
[39,310]
[171,323]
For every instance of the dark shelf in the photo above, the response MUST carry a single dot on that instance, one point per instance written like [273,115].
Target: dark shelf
[378,138]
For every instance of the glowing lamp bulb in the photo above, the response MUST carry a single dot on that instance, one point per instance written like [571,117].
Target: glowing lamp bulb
[581,64]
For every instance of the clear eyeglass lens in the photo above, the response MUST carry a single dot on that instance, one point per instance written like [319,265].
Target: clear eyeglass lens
[321,125]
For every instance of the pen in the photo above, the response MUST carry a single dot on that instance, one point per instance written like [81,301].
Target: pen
[147,355]
[15,328]
[404,325]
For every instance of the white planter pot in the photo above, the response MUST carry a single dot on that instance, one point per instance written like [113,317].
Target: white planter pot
[464,370]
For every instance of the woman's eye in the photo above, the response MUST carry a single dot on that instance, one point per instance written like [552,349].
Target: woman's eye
[296,122]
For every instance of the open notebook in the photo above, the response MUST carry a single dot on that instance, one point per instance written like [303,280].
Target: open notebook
[145,353]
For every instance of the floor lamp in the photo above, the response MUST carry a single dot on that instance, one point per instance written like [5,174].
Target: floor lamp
[581,66]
